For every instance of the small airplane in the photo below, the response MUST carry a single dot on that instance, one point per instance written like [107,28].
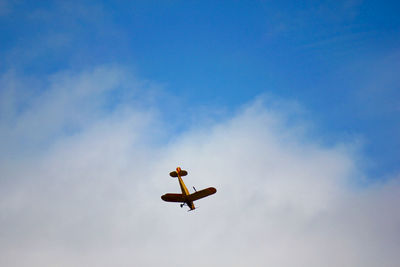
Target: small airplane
[186,198]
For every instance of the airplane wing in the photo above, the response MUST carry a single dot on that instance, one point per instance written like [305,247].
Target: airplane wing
[202,193]
[173,197]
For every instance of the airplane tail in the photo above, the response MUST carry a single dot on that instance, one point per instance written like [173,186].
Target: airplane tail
[178,170]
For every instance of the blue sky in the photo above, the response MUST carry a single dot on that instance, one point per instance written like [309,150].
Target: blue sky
[339,60]
[290,109]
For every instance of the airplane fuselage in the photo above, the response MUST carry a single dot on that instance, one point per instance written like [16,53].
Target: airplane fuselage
[185,192]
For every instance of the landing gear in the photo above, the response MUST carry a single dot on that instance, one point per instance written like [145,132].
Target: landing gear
[183,204]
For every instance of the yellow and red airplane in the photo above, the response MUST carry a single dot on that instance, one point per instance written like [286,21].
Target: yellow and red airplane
[186,198]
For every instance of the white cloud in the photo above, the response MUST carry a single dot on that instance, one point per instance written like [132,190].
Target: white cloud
[93,197]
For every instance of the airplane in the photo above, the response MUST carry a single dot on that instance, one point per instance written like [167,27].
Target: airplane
[186,198]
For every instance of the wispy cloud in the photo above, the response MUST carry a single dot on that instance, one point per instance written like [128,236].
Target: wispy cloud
[92,196]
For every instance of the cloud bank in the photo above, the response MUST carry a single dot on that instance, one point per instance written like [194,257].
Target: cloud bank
[86,156]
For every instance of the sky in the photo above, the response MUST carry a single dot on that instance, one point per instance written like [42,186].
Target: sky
[290,109]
